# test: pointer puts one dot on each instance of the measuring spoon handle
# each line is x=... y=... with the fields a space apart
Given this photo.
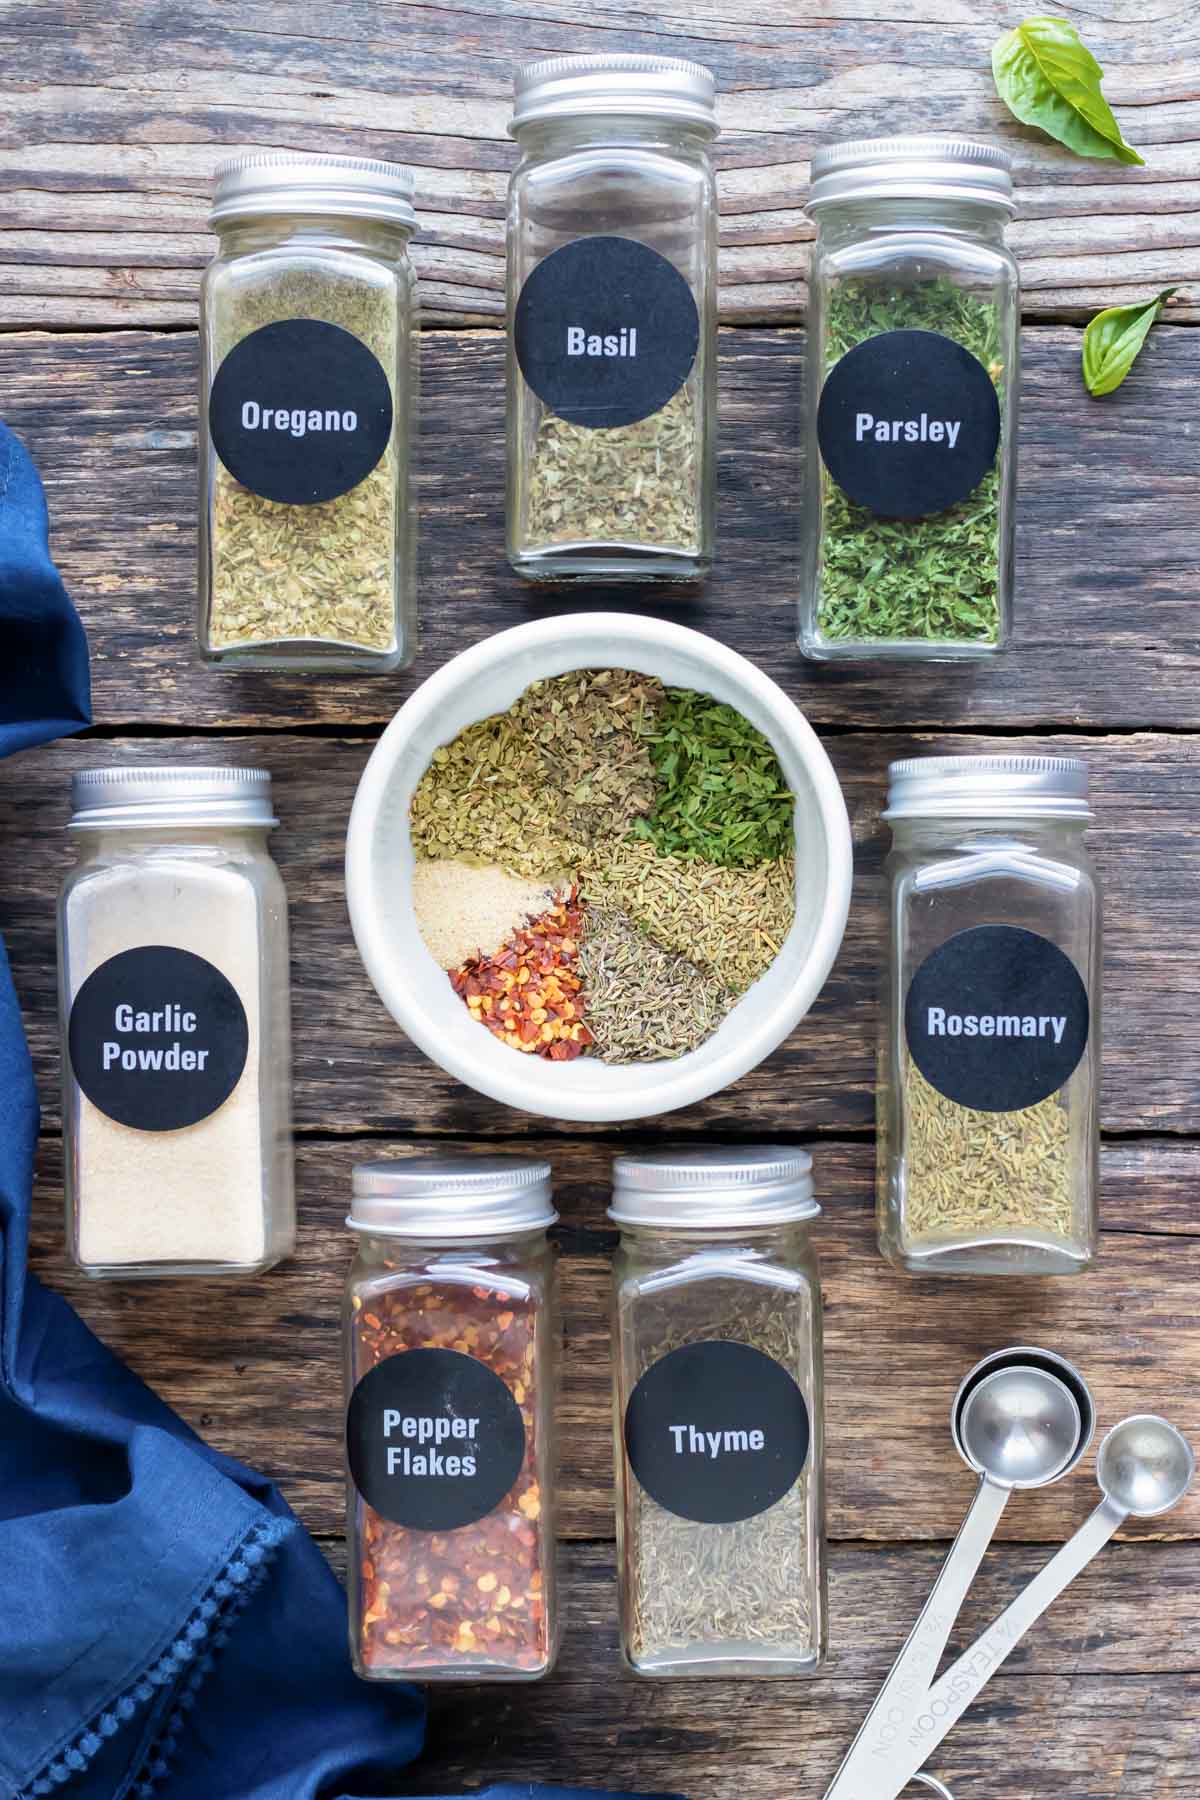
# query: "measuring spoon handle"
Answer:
x=950 y=1697
x=903 y=1694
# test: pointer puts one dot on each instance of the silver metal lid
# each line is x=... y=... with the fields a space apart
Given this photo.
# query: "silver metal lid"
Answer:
x=689 y=1189
x=447 y=1198
x=962 y=787
x=652 y=87
x=346 y=187
x=145 y=796
x=919 y=168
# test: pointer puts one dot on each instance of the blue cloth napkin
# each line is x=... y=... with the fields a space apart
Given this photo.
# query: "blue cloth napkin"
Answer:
x=166 y=1624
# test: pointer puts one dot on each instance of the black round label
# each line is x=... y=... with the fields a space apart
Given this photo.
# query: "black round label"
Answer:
x=997 y=1018
x=908 y=423
x=605 y=331
x=434 y=1439
x=157 y=1038
x=716 y=1431
x=300 y=411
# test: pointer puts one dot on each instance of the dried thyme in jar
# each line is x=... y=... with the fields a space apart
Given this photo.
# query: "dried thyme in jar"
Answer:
x=661 y=812
x=718 y=1405
x=612 y=313
x=308 y=388
x=988 y=1129
x=911 y=402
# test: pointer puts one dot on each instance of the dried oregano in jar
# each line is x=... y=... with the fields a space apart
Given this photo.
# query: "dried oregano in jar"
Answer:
x=451 y=1354
x=717 y=1414
x=612 y=313
x=308 y=387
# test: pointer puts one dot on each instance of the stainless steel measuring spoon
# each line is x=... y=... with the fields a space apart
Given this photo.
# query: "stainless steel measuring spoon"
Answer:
x=1144 y=1467
x=1022 y=1419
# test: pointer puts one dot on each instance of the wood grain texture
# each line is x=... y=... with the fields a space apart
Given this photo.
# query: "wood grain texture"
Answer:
x=1108 y=562
x=114 y=120
x=355 y=1070
x=255 y=1365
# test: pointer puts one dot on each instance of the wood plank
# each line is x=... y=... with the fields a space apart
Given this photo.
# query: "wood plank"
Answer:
x=255 y=1365
x=114 y=120
x=1106 y=633
x=355 y=1070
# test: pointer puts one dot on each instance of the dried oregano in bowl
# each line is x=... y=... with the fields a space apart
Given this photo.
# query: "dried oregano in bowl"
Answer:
x=619 y=854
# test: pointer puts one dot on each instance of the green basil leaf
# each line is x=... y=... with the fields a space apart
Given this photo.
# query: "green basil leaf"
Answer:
x=1113 y=339
x=1047 y=77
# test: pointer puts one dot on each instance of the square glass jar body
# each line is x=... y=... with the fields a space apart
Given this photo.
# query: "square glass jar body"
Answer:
x=742 y=1597
x=632 y=502
x=963 y=1190
x=216 y=1197
x=936 y=587
x=477 y=1601
x=328 y=584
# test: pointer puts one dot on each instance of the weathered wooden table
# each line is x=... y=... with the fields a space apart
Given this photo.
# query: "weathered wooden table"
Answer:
x=113 y=120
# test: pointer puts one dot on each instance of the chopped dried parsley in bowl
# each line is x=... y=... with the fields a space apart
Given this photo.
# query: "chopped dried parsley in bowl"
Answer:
x=589 y=762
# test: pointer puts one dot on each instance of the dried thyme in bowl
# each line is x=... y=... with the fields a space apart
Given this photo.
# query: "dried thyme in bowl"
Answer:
x=931 y=578
x=642 y=1002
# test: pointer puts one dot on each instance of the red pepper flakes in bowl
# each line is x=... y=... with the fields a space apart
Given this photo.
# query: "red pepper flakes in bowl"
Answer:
x=529 y=994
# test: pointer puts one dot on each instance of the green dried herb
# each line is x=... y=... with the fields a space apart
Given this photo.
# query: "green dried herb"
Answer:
x=692 y=1583
x=325 y=572
x=531 y=789
x=623 y=484
x=1113 y=341
x=1047 y=77
x=722 y=794
x=927 y=579
x=642 y=1002
x=970 y=1171
x=731 y=922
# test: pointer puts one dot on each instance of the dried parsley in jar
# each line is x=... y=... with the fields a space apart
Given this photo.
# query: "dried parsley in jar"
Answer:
x=612 y=289
x=451 y=1362
x=988 y=1117
x=911 y=401
x=308 y=389
x=718 y=1398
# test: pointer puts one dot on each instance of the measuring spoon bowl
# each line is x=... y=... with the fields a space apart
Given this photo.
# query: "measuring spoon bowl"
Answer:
x=1020 y=1427
x=1144 y=1465
x=1029 y=1446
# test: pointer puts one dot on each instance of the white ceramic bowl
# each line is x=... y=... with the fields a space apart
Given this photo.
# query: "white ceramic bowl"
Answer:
x=379 y=860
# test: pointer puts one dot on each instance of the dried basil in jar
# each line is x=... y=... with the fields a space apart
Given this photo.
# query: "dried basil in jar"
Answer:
x=451 y=1340
x=612 y=286
x=307 y=406
x=718 y=1403
x=911 y=398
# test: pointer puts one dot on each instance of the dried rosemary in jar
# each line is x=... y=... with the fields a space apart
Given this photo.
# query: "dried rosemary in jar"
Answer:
x=988 y=1130
x=718 y=1413
x=307 y=332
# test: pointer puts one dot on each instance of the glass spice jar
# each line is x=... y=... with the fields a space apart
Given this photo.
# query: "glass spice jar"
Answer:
x=911 y=401
x=173 y=996
x=612 y=293
x=718 y=1414
x=990 y=1056
x=308 y=338
x=451 y=1366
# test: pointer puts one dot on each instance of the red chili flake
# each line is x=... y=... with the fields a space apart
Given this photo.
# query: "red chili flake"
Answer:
x=529 y=993
x=476 y=1595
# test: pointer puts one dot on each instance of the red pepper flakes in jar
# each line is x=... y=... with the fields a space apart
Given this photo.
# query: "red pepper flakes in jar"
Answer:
x=530 y=993
x=451 y=1337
